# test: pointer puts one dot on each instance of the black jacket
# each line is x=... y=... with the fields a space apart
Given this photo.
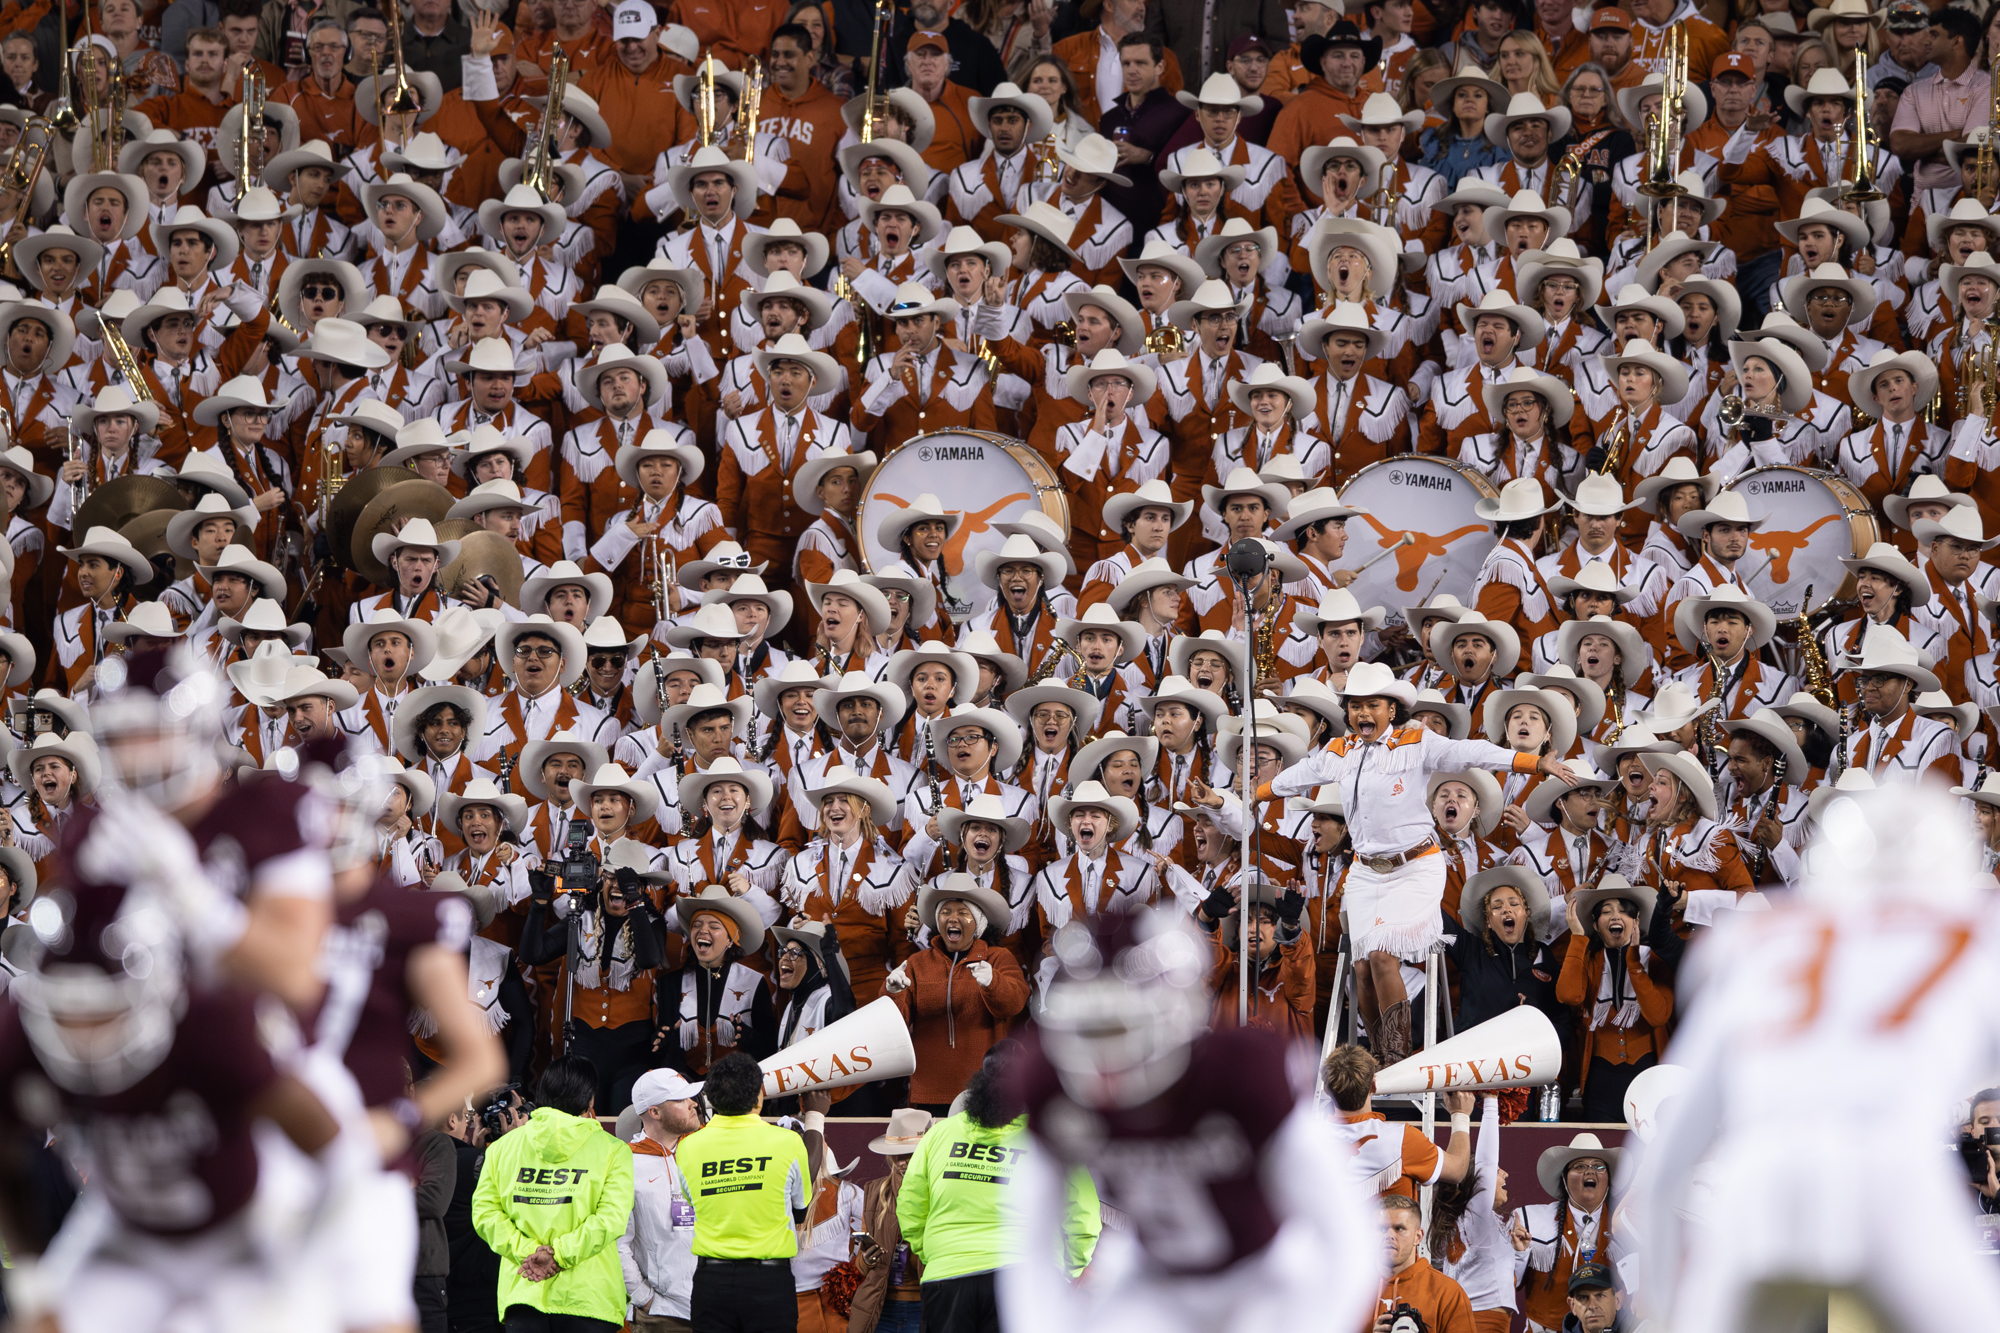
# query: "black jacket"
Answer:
x=1491 y=983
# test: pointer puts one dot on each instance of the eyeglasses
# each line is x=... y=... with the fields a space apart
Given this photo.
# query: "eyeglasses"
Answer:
x=1829 y=297
x=316 y=292
x=540 y=652
x=792 y=951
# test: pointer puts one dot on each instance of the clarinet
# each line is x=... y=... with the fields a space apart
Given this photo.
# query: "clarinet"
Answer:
x=1755 y=850
x=930 y=768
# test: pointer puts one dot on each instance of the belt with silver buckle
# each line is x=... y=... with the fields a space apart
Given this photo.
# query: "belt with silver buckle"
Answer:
x=1382 y=865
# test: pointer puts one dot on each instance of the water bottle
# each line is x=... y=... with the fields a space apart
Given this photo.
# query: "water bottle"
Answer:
x=1552 y=1104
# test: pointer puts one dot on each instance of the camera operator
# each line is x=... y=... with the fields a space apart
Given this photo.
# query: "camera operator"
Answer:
x=613 y=939
x=1979 y=1144
x=1416 y=1298
x=475 y=1269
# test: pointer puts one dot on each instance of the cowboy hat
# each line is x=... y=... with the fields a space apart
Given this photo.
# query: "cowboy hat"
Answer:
x=1270 y=375
x=567 y=638
x=782 y=286
x=1131 y=323
x=1157 y=254
x=1082 y=705
x=1347 y=317
x=1519 y=500
x=1528 y=324
x=819 y=462
x=1691 y=615
x=1526 y=106
x=1151 y=494
x=1242 y=481
x=404 y=733
x=1539 y=804
x=1338 y=607
x=782 y=231
x=78 y=750
x=1554 y=1162
x=1677 y=471
x=1884 y=651
x=1527 y=204
x=839 y=780
x=1178 y=689
x=1634 y=297
x=1314 y=161
x=1092 y=796
x=1506 y=643
x=1045 y=220
x=512 y=809
x=1600 y=495
x=1457 y=717
x=612 y=777
x=1861 y=389
x=1095 y=155
x=361 y=634
x=1671 y=375
x=110 y=544
x=1596 y=577
x=1862 y=292
x=964 y=888
x=536 y=753
x=1485 y=789
x=847 y=583
x=535 y=590
x=1635 y=656
x=1771 y=728
x=985 y=809
x=646 y=691
x=1560 y=257
x=1006 y=735
x=794 y=347
x=62 y=333
x=1687 y=770
x=1379 y=245
x=899 y=199
x=145 y=620
x=182 y=526
x=860 y=685
x=1885 y=558
x=1208 y=252
x=1019 y=550
x=1561 y=402
x=1534 y=892
x=747 y=927
x=1374 y=680
x=1825 y=83
x=1557 y=708
x=1111 y=363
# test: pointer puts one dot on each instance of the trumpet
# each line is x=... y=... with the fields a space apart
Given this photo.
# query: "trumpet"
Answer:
x=1863 y=190
x=79 y=490
x=332 y=473
x=541 y=172
x=1733 y=409
x=1614 y=452
x=656 y=573
x=250 y=137
x=1165 y=341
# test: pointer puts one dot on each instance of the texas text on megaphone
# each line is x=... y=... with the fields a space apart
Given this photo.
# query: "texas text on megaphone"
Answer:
x=1519 y=1049
x=871 y=1043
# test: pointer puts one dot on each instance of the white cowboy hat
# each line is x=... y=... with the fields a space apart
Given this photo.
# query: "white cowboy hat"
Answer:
x=1157 y=254
x=1092 y=796
x=1371 y=680
x=243 y=561
x=1519 y=500
x=781 y=231
x=1270 y=375
x=1633 y=297
x=694 y=787
x=1560 y=257
x=1827 y=82
x=793 y=347
x=1208 y=251
x=567 y=638
x=1020 y=549
x=1313 y=163
x=1526 y=106
x=1533 y=889
x=115 y=400
x=618 y=356
x=1527 y=204
x=1506 y=643
x=1007 y=739
x=1553 y=392
x=1885 y=558
x=1338 y=607
x=1531 y=327
x=182 y=526
x=1154 y=494
x=849 y=584
x=1670 y=374
x=819 y=462
x=1861 y=388
x=1095 y=155
x=1101 y=616
x=1635 y=656
x=1687 y=770
x=899 y=199
x=536 y=753
x=1692 y=614
x=985 y=809
x=1796 y=384
x=1554 y=1162
x=1861 y=290
x=1960 y=524
x=1458 y=718
x=1347 y=317
x=783 y=286
x=1242 y=481
x=111 y=545
x=964 y=669
x=1594 y=576
x=716 y=900
x=357 y=637
x=1379 y=245
x=1486 y=792
x=840 y=780
x=536 y=589
x=1600 y=495
x=1557 y=708
x=1381 y=111
x=1677 y=471
x=612 y=777
x=1111 y=363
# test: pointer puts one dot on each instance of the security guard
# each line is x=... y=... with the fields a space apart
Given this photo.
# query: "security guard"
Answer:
x=751 y=1184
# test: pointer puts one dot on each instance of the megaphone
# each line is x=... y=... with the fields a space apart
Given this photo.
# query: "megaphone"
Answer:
x=871 y=1043
x=1519 y=1049
x=1648 y=1095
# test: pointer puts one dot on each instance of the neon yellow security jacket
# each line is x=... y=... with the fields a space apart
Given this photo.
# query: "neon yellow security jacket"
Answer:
x=560 y=1181
x=954 y=1206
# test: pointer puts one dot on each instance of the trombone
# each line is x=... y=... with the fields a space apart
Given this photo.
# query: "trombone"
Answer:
x=541 y=172
x=402 y=99
x=21 y=174
x=1863 y=190
x=753 y=103
x=1663 y=131
x=704 y=102
x=250 y=135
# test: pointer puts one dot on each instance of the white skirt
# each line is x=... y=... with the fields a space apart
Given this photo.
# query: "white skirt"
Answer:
x=1398 y=913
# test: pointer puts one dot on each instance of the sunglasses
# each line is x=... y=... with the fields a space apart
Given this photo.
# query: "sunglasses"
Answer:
x=540 y=652
x=316 y=292
x=607 y=659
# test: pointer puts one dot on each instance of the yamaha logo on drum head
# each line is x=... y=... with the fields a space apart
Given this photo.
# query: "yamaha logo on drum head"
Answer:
x=952 y=453
x=1777 y=486
x=1425 y=480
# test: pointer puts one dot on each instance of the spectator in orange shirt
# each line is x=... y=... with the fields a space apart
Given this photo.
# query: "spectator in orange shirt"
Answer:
x=957 y=139
x=635 y=94
x=734 y=30
x=1611 y=47
x=807 y=115
x=1289 y=72
x=323 y=96
x=1438 y=1301
x=1339 y=59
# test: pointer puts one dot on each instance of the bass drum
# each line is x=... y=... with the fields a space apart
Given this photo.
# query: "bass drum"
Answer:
x=986 y=477
x=1431 y=499
x=1814 y=519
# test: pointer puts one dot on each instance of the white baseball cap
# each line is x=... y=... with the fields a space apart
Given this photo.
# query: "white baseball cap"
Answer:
x=634 y=18
x=661 y=1085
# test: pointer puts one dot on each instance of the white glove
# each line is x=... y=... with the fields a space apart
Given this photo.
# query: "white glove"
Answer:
x=987 y=323
x=690 y=1033
x=725 y=1032
x=898 y=981
x=981 y=972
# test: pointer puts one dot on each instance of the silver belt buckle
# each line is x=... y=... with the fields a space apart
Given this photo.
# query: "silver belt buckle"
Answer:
x=1381 y=865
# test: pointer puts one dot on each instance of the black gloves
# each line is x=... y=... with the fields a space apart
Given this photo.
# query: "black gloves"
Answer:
x=1291 y=903
x=541 y=886
x=1594 y=460
x=1219 y=903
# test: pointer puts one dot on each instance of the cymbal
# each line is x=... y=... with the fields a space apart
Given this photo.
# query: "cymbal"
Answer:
x=451 y=529
x=148 y=532
x=389 y=510
x=484 y=552
x=344 y=510
x=118 y=502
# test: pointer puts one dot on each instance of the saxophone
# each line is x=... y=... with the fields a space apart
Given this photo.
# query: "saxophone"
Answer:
x=1058 y=650
x=1267 y=649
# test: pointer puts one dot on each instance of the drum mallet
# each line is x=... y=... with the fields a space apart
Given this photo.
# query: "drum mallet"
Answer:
x=1409 y=539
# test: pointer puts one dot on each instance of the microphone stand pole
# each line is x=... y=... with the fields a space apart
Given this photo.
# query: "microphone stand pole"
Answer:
x=1246 y=563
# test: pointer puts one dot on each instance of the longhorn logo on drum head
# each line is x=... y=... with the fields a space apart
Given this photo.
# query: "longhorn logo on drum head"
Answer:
x=1410 y=559
x=1782 y=546
x=954 y=547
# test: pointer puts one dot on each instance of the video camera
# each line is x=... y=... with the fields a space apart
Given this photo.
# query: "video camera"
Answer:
x=1974 y=1150
x=503 y=1106
x=575 y=871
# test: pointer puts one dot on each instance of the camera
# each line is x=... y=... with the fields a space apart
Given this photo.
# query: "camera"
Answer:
x=1405 y=1319
x=504 y=1106
x=574 y=872
x=1973 y=1149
